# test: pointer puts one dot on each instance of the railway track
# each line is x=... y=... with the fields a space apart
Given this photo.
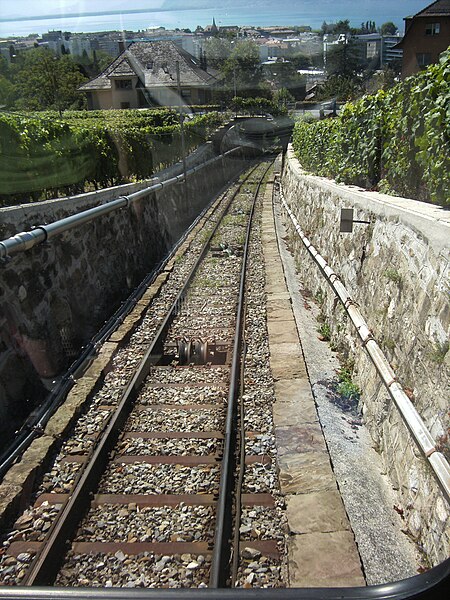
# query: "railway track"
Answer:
x=169 y=478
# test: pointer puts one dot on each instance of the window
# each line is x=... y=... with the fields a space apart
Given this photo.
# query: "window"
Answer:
x=433 y=29
x=423 y=59
x=124 y=84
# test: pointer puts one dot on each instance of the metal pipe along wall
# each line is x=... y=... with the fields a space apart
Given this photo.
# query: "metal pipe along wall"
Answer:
x=421 y=435
x=28 y=239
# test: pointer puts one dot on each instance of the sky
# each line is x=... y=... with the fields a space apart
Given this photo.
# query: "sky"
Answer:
x=29 y=8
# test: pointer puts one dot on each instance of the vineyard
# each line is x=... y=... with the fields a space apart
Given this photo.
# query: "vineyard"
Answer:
x=396 y=141
x=45 y=155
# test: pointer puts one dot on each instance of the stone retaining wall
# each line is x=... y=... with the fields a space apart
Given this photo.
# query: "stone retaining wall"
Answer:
x=54 y=297
x=397 y=270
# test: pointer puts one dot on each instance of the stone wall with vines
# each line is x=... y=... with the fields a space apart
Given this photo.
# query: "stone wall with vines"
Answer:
x=396 y=269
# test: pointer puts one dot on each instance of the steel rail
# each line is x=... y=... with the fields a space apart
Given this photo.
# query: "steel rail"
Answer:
x=224 y=518
x=42 y=569
x=241 y=467
x=41 y=233
x=35 y=423
x=414 y=422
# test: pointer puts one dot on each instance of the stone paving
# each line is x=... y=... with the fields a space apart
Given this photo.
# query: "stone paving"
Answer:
x=321 y=546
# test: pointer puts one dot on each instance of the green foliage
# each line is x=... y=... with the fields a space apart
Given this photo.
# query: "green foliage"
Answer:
x=325 y=331
x=439 y=353
x=257 y=106
x=42 y=155
x=336 y=28
x=283 y=97
x=45 y=81
x=388 y=28
x=346 y=388
x=284 y=75
x=397 y=140
x=393 y=275
x=217 y=51
x=340 y=87
x=298 y=59
x=242 y=69
x=343 y=59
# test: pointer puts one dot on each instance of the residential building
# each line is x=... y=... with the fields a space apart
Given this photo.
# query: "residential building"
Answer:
x=145 y=74
x=79 y=44
x=390 y=53
x=379 y=50
x=427 y=35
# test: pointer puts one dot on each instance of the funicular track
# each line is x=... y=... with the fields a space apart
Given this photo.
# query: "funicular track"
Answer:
x=176 y=421
x=172 y=387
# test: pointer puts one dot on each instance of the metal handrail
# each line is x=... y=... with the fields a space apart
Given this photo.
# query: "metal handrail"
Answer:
x=41 y=233
x=42 y=569
x=35 y=424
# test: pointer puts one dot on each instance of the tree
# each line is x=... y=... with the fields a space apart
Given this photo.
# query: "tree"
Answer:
x=7 y=92
x=283 y=74
x=343 y=59
x=46 y=81
x=388 y=28
x=4 y=67
x=299 y=60
x=341 y=88
x=342 y=27
x=217 y=51
x=326 y=28
x=242 y=69
x=283 y=97
x=381 y=80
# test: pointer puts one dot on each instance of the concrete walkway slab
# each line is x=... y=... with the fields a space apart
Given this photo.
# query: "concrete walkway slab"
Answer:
x=322 y=549
x=282 y=331
x=275 y=305
x=306 y=473
x=317 y=512
x=286 y=361
x=338 y=566
x=300 y=439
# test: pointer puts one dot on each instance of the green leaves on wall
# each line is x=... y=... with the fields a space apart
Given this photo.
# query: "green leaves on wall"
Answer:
x=396 y=141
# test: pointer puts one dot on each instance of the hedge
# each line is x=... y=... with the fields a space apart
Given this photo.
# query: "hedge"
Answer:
x=44 y=155
x=395 y=141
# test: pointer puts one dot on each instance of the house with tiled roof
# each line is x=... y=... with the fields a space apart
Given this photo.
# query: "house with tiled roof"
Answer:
x=427 y=35
x=145 y=74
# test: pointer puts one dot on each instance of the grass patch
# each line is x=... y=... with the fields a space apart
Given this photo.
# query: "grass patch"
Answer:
x=393 y=275
x=324 y=331
x=439 y=353
x=346 y=388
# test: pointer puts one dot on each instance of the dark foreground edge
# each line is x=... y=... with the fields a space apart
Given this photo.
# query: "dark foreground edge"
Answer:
x=432 y=585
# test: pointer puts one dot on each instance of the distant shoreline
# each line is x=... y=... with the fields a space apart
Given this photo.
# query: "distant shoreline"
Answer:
x=137 y=19
x=103 y=13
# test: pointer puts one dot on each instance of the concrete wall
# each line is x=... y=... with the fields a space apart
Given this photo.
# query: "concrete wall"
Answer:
x=54 y=297
x=397 y=270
